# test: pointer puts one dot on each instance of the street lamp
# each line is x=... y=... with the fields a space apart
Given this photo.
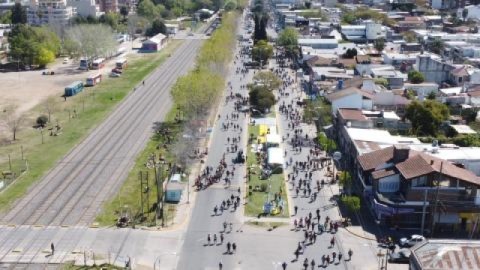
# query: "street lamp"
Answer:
x=188 y=187
x=159 y=184
x=157 y=259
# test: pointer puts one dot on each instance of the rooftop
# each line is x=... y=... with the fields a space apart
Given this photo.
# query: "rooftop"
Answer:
x=447 y=254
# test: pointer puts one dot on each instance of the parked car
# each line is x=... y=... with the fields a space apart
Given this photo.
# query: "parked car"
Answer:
x=65 y=60
x=411 y=241
x=115 y=75
x=48 y=72
x=402 y=256
x=117 y=70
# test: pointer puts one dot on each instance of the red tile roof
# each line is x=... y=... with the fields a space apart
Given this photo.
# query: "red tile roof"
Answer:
x=374 y=159
x=382 y=173
x=414 y=167
x=352 y=114
x=417 y=164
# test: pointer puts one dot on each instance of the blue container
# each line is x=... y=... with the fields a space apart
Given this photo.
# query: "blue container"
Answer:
x=74 y=88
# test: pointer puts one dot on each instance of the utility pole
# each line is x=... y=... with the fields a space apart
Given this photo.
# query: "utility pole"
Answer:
x=424 y=210
x=436 y=200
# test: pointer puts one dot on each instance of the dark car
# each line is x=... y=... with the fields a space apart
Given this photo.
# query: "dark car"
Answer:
x=402 y=256
x=117 y=70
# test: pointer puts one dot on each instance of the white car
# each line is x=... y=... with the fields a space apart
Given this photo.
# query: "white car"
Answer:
x=411 y=241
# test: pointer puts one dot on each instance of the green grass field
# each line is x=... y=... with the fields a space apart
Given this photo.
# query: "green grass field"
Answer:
x=129 y=195
x=275 y=184
x=86 y=109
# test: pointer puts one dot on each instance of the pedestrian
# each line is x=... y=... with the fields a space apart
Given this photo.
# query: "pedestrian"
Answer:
x=284 y=265
x=350 y=253
x=52 y=247
x=305 y=264
x=340 y=257
x=221 y=238
x=332 y=242
x=234 y=247
x=296 y=209
x=208 y=239
x=334 y=256
x=220 y=265
x=228 y=247
x=297 y=253
x=215 y=239
x=313 y=264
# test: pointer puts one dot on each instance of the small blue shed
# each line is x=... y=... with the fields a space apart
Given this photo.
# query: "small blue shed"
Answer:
x=174 y=188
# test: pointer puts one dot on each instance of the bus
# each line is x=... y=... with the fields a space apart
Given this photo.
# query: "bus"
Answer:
x=73 y=89
x=84 y=64
x=93 y=80
x=98 y=63
x=121 y=63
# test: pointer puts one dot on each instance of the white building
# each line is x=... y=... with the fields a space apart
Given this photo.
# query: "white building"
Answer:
x=85 y=8
x=473 y=12
x=350 y=98
x=55 y=12
x=369 y=30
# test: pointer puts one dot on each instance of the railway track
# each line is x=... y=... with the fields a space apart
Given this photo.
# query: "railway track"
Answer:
x=75 y=189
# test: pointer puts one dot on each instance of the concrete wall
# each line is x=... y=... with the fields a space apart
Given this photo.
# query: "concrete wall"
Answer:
x=350 y=102
x=433 y=70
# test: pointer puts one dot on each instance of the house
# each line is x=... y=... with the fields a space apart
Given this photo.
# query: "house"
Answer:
x=409 y=23
x=449 y=254
x=398 y=181
x=367 y=31
x=351 y=97
x=447 y=4
x=434 y=69
x=172 y=29
x=85 y=8
x=154 y=43
x=422 y=89
x=357 y=118
x=318 y=43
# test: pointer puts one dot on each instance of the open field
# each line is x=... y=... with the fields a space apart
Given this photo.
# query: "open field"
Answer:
x=77 y=117
x=26 y=89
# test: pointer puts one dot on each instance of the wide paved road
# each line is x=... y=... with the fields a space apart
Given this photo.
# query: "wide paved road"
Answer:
x=75 y=189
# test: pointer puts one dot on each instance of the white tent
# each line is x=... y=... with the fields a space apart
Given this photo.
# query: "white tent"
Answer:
x=275 y=156
x=273 y=139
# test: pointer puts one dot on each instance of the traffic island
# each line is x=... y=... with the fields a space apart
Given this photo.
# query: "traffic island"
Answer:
x=266 y=196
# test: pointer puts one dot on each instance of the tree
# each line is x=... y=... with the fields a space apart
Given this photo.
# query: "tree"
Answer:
x=6 y=17
x=148 y=9
x=350 y=53
x=44 y=57
x=262 y=51
x=50 y=106
x=19 y=14
x=288 y=39
x=379 y=44
x=267 y=79
x=124 y=10
x=261 y=98
x=426 y=117
x=328 y=145
x=92 y=40
x=260 y=30
x=431 y=95
x=437 y=46
x=157 y=27
x=42 y=121
x=136 y=24
x=33 y=45
x=351 y=202
x=409 y=36
x=416 y=76
x=346 y=181
x=14 y=121
x=230 y=5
